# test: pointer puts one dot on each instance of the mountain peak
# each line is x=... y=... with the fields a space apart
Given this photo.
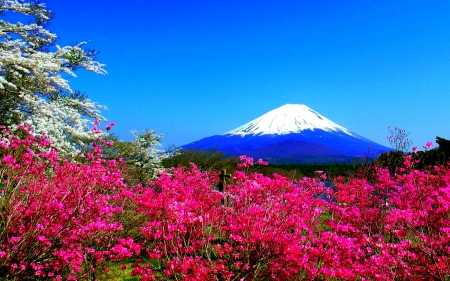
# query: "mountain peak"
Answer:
x=292 y=133
x=287 y=119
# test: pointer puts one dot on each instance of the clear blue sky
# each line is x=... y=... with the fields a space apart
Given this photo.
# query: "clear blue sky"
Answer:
x=192 y=69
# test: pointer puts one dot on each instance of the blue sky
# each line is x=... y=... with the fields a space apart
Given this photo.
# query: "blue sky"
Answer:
x=192 y=69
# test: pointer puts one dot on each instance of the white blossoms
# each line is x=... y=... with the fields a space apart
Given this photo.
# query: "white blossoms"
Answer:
x=32 y=89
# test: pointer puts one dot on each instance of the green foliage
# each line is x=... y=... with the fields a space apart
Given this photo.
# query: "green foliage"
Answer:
x=435 y=156
x=390 y=160
x=423 y=160
x=141 y=157
x=215 y=160
x=298 y=171
x=444 y=145
x=204 y=159
x=430 y=158
x=288 y=171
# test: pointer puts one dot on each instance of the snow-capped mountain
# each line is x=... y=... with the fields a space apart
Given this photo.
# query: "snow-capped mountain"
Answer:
x=292 y=133
x=287 y=119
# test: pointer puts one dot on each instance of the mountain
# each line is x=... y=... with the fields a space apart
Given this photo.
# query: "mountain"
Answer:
x=292 y=133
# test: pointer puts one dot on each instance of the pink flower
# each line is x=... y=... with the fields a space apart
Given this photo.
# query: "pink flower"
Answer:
x=245 y=161
x=9 y=159
x=112 y=124
x=428 y=145
x=256 y=216
x=262 y=162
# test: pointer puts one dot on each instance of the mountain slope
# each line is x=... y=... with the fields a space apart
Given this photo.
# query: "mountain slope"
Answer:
x=292 y=134
x=289 y=118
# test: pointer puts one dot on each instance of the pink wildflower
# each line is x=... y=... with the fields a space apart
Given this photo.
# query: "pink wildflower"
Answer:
x=428 y=145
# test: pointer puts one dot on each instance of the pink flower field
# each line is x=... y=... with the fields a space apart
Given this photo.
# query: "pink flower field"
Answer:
x=67 y=220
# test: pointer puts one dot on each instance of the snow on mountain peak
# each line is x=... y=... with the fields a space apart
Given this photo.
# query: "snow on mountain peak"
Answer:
x=289 y=118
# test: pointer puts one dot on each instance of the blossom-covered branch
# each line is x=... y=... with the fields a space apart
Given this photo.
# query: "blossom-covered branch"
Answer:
x=32 y=87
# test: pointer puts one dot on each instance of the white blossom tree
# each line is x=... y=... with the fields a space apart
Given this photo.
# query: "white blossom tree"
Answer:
x=141 y=155
x=146 y=158
x=32 y=85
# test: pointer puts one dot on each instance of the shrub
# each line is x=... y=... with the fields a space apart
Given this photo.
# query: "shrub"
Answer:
x=62 y=220
x=393 y=227
x=56 y=216
x=204 y=159
x=201 y=234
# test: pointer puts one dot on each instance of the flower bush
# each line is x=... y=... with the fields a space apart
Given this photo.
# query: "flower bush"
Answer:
x=56 y=217
x=400 y=223
x=393 y=227
x=68 y=221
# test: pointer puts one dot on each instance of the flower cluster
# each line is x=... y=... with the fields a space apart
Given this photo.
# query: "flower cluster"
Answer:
x=66 y=221
x=393 y=227
x=56 y=217
x=428 y=145
x=246 y=162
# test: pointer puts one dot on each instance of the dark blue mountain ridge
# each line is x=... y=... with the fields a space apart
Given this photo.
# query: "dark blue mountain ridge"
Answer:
x=292 y=134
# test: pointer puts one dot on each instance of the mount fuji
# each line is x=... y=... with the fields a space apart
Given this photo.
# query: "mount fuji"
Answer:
x=292 y=133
